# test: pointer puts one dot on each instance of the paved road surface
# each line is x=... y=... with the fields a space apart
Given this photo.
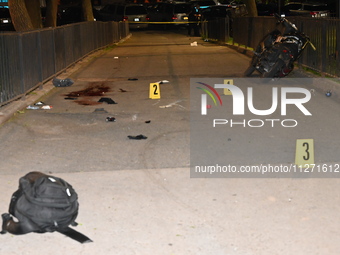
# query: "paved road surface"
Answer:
x=137 y=197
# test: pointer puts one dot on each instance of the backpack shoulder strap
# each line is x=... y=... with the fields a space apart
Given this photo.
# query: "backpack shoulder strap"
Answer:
x=75 y=235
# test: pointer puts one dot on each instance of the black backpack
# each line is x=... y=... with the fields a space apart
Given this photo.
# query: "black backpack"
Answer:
x=43 y=203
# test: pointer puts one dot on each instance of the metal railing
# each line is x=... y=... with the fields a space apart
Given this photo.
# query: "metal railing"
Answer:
x=28 y=59
x=249 y=31
x=216 y=30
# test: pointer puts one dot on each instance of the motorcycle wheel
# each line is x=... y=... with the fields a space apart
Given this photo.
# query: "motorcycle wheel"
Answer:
x=275 y=69
x=249 y=71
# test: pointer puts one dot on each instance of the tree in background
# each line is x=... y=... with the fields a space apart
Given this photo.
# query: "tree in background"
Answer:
x=87 y=10
x=251 y=8
x=19 y=15
x=51 y=13
x=26 y=14
x=34 y=12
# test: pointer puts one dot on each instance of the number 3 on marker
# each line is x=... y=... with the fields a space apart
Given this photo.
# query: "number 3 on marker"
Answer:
x=304 y=154
x=307 y=150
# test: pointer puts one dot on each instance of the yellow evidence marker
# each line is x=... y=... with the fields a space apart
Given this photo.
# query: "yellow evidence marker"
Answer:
x=304 y=154
x=155 y=91
x=227 y=91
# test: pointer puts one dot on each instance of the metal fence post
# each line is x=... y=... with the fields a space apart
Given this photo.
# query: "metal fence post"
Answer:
x=337 y=56
x=21 y=63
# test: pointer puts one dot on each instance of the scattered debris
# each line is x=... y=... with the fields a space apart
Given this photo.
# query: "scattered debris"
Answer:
x=31 y=107
x=328 y=93
x=157 y=102
x=39 y=103
x=148 y=121
x=106 y=100
x=100 y=110
x=172 y=104
x=70 y=98
x=46 y=107
x=138 y=137
x=62 y=82
x=133 y=79
x=110 y=119
x=122 y=90
x=162 y=82
x=193 y=44
x=166 y=106
x=38 y=107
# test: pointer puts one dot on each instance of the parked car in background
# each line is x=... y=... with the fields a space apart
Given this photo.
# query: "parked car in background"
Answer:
x=133 y=13
x=238 y=7
x=216 y=12
x=136 y=15
x=202 y=3
x=266 y=9
x=5 y=20
x=230 y=3
x=306 y=9
x=111 y=12
x=169 y=12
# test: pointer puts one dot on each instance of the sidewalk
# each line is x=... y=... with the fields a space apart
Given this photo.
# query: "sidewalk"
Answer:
x=163 y=211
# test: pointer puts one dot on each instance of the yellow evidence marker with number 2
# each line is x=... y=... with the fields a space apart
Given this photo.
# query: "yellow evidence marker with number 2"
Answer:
x=304 y=155
x=155 y=91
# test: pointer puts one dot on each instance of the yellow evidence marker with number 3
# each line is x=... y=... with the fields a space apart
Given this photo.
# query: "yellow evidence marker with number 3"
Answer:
x=155 y=91
x=304 y=155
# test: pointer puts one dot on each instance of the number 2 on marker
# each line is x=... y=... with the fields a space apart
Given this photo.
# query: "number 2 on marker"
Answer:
x=155 y=92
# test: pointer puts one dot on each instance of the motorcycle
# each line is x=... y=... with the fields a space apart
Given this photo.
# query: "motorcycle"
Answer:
x=276 y=53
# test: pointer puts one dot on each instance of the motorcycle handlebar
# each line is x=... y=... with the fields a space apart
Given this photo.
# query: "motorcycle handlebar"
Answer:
x=288 y=25
x=281 y=19
x=277 y=16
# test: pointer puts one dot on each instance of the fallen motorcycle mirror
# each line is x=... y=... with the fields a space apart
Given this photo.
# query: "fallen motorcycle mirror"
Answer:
x=43 y=203
x=276 y=53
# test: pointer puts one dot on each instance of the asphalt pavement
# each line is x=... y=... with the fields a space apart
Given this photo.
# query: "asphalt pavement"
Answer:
x=136 y=196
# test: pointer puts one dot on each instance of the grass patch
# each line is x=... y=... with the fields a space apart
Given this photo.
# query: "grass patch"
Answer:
x=110 y=47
